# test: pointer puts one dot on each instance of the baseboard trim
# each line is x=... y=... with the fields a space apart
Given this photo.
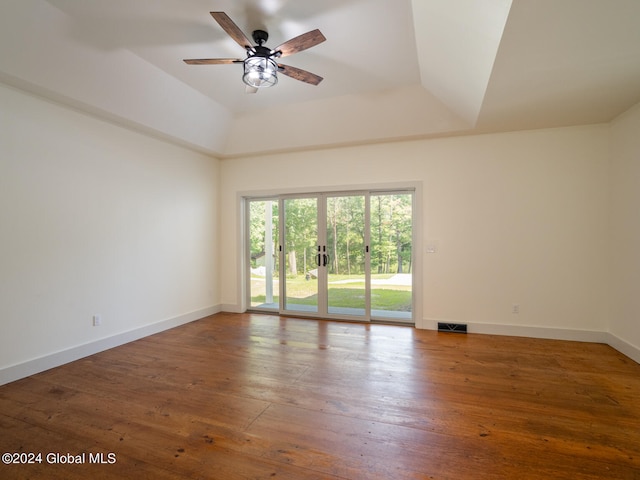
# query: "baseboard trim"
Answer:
x=550 y=333
x=623 y=347
x=40 y=364
x=231 y=308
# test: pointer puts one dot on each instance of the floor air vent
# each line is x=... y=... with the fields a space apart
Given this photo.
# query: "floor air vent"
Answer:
x=452 y=327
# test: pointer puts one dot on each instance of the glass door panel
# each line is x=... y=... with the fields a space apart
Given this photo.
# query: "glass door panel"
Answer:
x=301 y=271
x=391 y=224
x=346 y=255
x=264 y=263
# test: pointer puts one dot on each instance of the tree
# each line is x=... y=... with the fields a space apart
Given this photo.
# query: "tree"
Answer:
x=257 y=211
x=345 y=234
x=301 y=230
x=391 y=231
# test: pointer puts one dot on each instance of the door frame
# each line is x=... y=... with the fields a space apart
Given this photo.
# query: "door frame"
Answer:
x=243 y=197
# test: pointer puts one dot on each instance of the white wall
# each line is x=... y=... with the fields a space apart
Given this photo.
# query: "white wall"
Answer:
x=96 y=219
x=625 y=228
x=517 y=217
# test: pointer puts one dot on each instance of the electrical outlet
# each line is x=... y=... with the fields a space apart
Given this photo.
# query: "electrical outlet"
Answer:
x=97 y=320
x=515 y=308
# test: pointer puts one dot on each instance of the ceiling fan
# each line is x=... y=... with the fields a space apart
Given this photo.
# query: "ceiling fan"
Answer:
x=260 y=66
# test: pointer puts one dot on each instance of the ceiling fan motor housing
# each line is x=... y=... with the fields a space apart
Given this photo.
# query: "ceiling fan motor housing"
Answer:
x=260 y=51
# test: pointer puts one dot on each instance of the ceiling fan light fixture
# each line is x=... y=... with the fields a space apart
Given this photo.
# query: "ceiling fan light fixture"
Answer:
x=259 y=68
x=260 y=72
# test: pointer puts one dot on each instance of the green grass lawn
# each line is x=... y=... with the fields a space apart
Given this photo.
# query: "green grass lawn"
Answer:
x=350 y=295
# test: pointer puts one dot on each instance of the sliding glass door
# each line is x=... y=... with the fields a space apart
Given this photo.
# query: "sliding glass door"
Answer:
x=301 y=259
x=263 y=240
x=344 y=255
x=346 y=243
x=391 y=225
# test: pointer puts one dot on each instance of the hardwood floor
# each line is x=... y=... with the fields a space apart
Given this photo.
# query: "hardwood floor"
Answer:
x=261 y=397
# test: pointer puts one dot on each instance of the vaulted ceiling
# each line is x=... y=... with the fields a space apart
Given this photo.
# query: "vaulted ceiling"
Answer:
x=392 y=70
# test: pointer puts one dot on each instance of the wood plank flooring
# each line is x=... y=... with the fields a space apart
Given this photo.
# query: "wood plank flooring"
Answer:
x=265 y=397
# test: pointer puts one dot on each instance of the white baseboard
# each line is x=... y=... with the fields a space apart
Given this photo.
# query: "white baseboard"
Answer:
x=528 y=331
x=549 y=333
x=623 y=347
x=40 y=364
x=231 y=308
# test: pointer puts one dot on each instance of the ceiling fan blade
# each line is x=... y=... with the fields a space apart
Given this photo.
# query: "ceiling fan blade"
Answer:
x=232 y=29
x=300 y=43
x=299 y=74
x=212 y=61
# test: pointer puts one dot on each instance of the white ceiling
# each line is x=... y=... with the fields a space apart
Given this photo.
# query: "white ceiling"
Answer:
x=392 y=70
